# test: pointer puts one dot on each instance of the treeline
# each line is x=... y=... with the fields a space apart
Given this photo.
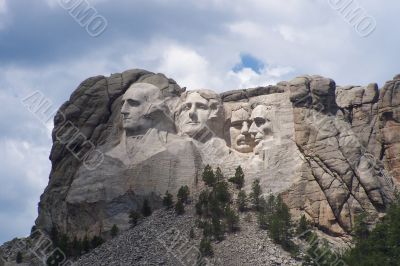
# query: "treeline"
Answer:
x=72 y=248
x=379 y=246
x=218 y=206
x=215 y=208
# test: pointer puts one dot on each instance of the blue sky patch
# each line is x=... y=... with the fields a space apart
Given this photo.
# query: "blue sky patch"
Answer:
x=249 y=61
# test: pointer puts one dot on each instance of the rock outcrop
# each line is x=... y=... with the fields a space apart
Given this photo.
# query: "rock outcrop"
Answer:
x=331 y=151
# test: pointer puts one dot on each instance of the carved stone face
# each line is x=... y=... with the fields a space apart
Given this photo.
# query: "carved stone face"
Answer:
x=193 y=114
x=241 y=139
x=137 y=103
x=261 y=126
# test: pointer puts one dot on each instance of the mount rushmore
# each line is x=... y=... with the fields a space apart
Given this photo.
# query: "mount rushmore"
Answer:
x=330 y=151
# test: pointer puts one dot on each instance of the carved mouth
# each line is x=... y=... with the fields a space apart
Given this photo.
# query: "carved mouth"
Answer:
x=242 y=143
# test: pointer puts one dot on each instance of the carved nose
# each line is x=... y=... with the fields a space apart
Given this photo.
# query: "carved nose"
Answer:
x=245 y=128
x=124 y=109
x=193 y=114
x=253 y=129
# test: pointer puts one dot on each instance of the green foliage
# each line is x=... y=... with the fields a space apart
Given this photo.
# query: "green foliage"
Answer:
x=183 y=194
x=219 y=176
x=76 y=247
x=19 y=257
x=319 y=253
x=280 y=227
x=221 y=191
x=96 y=241
x=179 y=207
x=205 y=247
x=207 y=228
x=381 y=246
x=202 y=204
x=85 y=244
x=263 y=220
x=217 y=229
x=64 y=244
x=168 y=200
x=199 y=208
x=146 y=209
x=54 y=235
x=360 y=228
x=114 y=231
x=231 y=219
x=303 y=225
x=238 y=179
x=241 y=201
x=274 y=215
x=208 y=176
x=191 y=233
x=256 y=194
x=72 y=249
x=215 y=207
x=134 y=218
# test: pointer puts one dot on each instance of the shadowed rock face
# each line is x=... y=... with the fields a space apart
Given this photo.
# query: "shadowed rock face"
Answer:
x=329 y=150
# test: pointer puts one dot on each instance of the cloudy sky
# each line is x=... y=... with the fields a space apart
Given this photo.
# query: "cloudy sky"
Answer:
x=218 y=44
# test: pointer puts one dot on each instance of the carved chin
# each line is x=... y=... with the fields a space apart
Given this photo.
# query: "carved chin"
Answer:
x=244 y=148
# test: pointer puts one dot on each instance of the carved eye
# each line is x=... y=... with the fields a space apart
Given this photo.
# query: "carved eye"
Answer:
x=259 y=121
x=187 y=106
x=202 y=106
x=133 y=103
x=237 y=124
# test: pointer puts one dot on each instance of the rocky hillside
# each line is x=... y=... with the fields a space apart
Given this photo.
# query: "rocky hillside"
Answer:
x=332 y=152
x=163 y=239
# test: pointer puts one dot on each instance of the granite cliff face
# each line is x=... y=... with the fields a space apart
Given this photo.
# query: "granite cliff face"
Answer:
x=331 y=151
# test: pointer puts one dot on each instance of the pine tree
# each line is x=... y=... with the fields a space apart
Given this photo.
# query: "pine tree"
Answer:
x=179 y=207
x=380 y=246
x=146 y=209
x=205 y=247
x=256 y=194
x=64 y=244
x=183 y=194
x=54 y=236
x=19 y=258
x=231 y=219
x=280 y=225
x=221 y=192
x=114 y=231
x=208 y=176
x=76 y=247
x=360 y=229
x=214 y=208
x=168 y=201
x=207 y=229
x=241 y=201
x=134 y=218
x=238 y=179
x=85 y=244
x=96 y=241
x=218 y=175
x=303 y=226
x=217 y=229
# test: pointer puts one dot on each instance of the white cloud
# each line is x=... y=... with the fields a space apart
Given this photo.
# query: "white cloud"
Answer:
x=27 y=167
x=247 y=29
x=291 y=34
x=3 y=6
x=186 y=66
